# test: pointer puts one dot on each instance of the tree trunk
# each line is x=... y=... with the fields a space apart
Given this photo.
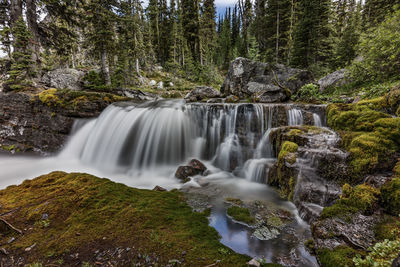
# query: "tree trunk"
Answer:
x=31 y=17
x=15 y=11
x=105 y=68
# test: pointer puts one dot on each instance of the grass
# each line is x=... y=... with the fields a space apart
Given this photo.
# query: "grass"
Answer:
x=241 y=214
x=85 y=212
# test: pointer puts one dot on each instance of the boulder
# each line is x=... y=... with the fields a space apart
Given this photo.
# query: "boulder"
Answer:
x=356 y=231
x=64 y=79
x=198 y=165
x=264 y=82
x=195 y=167
x=335 y=79
x=202 y=93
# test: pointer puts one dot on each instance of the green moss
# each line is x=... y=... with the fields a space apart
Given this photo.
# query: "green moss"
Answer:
x=388 y=228
x=340 y=256
x=362 y=198
x=110 y=214
x=241 y=214
x=381 y=255
x=235 y=201
x=390 y=196
x=287 y=148
x=370 y=151
x=74 y=99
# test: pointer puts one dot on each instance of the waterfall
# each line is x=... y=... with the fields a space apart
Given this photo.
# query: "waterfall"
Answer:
x=317 y=120
x=295 y=117
x=135 y=138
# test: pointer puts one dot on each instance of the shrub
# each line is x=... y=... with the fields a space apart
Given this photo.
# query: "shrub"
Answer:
x=308 y=93
x=381 y=255
x=380 y=50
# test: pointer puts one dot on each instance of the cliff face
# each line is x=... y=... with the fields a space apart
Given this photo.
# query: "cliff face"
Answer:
x=41 y=123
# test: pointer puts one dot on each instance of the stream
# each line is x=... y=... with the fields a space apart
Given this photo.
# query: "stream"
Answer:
x=142 y=146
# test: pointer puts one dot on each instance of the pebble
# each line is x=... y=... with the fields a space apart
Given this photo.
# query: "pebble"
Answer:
x=30 y=248
x=11 y=240
x=45 y=216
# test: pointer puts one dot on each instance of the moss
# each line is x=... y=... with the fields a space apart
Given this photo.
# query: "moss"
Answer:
x=287 y=148
x=388 y=228
x=106 y=215
x=75 y=99
x=295 y=132
x=274 y=221
x=241 y=214
x=370 y=151
x=310 y=245
x=340 y=256
x=390 y=197
x=390 y=128
x=362 y=198
x=235 y=201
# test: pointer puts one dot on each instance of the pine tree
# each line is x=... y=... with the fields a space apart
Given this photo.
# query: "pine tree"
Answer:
x=22 y=65
x=207 y=32
x=101 y=34
x=375 y=11
x=312 y=44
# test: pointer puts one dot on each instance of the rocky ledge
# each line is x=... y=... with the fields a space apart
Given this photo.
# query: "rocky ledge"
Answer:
x=42 y=122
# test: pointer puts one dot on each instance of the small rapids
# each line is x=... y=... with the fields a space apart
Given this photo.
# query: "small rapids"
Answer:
x=142 y=146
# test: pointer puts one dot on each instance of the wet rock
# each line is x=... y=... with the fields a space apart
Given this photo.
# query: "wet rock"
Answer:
x=159 y=189
x=198 y=165
x=263 y=82
x=254 y=263
x=311 y=176
x=185 y=172
x=335 y=79
x=266 y=233
x=356 y=231
x=64 y=79
x=195 y=167
x=202 y=93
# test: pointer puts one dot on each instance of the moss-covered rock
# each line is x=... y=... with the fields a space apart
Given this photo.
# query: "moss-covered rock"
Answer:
x=241 y=214
x=362 y=198
x=340 y=256
x=64 y=214
x=390 y=197
x=369 y=134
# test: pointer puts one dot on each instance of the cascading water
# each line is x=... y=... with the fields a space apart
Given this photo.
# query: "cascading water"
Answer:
x=142 y=145
x=295 y=117
x=317 y=120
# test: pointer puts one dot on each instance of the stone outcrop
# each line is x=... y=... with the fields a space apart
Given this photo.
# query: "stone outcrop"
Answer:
x=263 y=82
x=202 y=93
x=42 y=123
x=335 y=79
x=64 y=79
x=308 y=176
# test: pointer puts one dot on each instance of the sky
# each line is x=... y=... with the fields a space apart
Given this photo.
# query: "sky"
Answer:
x=221 y=5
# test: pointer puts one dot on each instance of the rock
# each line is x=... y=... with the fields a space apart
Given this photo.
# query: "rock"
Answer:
x=314 y=170
x=263 y=82
x=136 y=94
x=232 y=99
x=160 y=86
x=356 y=231
x=202 y=93
x=4 y=251
x=184 y=172
x=45 y=216
x=254 y=263
x=159 y=189
x=396 y=262
x=152 y=83
x=198 y=165
x=194 y=168
x=64 y=79
x=265 y=233
x=335 y=79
